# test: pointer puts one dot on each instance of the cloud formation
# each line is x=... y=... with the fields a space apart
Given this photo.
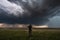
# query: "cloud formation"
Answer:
x=28 y=11
x=11 y=8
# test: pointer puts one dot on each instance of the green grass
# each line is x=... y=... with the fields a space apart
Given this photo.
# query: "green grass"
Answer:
x=38 y=34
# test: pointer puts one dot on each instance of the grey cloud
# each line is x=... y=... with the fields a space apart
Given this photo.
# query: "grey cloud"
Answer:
x=33 y=12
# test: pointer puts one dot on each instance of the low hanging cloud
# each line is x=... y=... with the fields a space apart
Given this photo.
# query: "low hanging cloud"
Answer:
x=28 y=11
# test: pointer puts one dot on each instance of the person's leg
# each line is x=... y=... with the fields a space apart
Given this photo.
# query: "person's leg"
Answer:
x=30 y=33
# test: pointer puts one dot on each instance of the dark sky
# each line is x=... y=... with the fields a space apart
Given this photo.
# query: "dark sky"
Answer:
x=28 y=11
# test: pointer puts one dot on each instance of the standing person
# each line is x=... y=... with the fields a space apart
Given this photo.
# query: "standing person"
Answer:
x=30 y=30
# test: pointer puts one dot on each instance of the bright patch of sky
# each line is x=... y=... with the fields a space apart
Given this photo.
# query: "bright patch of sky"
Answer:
x=11 y=8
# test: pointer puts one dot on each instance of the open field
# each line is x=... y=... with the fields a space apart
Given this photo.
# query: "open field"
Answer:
x=22 y=34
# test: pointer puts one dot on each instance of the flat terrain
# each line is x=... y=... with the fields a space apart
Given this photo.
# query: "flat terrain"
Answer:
x=22 y=34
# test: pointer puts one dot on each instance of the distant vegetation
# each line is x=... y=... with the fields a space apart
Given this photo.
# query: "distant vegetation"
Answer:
x=22 y=34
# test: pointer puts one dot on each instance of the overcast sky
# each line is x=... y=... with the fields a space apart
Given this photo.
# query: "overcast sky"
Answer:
x=31 y=12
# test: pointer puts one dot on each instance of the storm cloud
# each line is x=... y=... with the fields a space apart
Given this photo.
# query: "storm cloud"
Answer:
x=28 y=11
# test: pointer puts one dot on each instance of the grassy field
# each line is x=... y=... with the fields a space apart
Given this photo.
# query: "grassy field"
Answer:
x=37 y=34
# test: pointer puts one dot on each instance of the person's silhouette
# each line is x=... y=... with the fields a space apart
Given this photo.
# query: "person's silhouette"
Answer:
x=30 y=30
